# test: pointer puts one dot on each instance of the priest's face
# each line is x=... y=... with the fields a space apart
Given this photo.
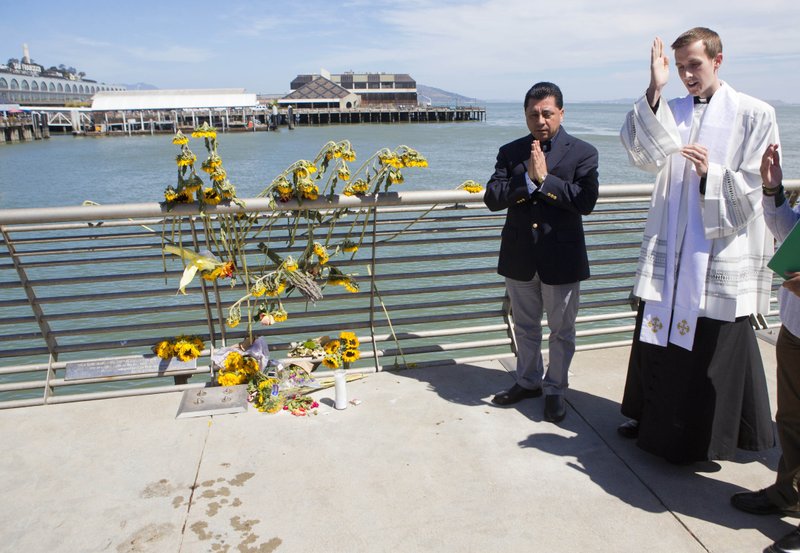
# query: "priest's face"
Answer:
x=543 y=118
x=698 y=71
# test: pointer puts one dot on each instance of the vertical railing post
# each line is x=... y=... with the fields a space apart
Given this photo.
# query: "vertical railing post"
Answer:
x=372 y=288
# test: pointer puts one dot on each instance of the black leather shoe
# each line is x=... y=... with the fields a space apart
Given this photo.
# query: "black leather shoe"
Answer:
x=515 y=394
x=554 y=408
x=758 y=503
x=790 y=543
x=629 y=429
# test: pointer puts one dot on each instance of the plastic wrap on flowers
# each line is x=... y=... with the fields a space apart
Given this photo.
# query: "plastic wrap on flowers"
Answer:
x=241 y=363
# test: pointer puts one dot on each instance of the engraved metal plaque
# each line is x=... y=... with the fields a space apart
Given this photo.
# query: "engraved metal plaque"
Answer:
x=215 y=400
x=141 y=364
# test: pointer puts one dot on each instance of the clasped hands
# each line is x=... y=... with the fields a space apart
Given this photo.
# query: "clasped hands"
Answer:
x=537 y=166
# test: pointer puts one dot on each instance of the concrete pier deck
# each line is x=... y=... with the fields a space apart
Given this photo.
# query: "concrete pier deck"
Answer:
x=424 y=463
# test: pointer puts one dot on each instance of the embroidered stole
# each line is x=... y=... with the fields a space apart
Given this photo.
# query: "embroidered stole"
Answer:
x=673 y=318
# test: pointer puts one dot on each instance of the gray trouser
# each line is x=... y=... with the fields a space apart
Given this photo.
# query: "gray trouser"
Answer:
x=529 y=301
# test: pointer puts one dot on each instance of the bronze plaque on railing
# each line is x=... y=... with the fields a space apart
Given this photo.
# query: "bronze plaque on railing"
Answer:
x=122 y=366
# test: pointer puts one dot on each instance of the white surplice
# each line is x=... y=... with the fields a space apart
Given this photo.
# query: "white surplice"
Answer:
x=735 y=244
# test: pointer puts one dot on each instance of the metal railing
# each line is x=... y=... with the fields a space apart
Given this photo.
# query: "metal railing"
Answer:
x=90 y=283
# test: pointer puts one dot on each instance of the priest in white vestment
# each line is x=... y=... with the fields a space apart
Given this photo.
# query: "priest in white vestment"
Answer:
x=696 y=389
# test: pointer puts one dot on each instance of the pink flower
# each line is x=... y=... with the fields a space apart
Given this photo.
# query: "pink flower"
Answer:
x=267 y=319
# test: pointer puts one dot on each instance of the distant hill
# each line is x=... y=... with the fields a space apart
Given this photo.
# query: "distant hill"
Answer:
x=140 y=86
x=439 y=97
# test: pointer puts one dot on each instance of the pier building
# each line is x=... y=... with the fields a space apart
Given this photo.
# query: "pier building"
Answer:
x=372 y=88
x=26 y=82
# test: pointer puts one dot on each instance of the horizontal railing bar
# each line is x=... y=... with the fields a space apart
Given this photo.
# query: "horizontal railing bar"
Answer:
x=453 y=346
x=70 y=398
x=154 y=209
x=17 y=403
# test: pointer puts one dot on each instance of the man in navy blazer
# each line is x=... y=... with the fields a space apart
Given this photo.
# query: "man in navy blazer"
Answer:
x=546 y=181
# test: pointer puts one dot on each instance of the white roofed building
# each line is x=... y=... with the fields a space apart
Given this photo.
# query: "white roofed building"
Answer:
x=135 y=100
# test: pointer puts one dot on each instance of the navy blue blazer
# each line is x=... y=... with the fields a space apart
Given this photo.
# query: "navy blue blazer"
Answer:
x=543 y=232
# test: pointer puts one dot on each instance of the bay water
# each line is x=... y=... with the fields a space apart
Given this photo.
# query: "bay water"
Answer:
x=66 y=170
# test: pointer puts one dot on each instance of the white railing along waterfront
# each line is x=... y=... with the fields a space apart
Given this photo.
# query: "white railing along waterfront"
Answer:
x=89 y=283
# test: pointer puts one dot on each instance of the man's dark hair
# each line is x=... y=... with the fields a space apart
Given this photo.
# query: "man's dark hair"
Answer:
x=542 y=90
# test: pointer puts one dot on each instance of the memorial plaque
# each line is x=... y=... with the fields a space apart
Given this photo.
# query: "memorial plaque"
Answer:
x=214 y=400
x=143 y=364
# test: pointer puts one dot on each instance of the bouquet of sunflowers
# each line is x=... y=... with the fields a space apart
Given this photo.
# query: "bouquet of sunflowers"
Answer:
x=339 y=353
x=183 y=347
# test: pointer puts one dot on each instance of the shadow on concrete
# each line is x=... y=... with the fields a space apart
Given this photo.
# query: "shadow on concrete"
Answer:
x=616 y=465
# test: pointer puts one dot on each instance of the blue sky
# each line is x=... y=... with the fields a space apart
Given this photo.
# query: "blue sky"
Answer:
x=485 y=49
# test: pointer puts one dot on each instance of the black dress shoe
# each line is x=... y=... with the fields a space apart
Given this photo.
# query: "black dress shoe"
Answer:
x=629 y=429
x=554 y=408
x=515 y=394
x=790 y=543
x=758 y=503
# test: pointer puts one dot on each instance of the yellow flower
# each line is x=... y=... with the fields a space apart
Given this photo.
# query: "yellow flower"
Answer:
x=233 y=322
x=331 y=361
x=211 y=196
x=344 y=172
x=349 y=247
x=304 y=169
x=170 y=195
x=280 y=315
x=249 y=366
x=218 y=175
x=274 y=289
x=193 y=185
x=351 y=286
x=163 y=349
x=350 y=355
x=268 y=383
x=185 y=158
x=320 y=250
x=349 y=155
x=396 y=177
x=258 y=289
x=349 y=338
x=233 y=361
x=471 y=186
x=186 y=351
x=332 y=346
x=228 y=379
x=290 y=265
x=180 y=139
x=205 y=131
x=311 y=192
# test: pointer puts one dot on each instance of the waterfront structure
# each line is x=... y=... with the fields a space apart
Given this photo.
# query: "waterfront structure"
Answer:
x=137 y=100
x=26 y=82
x=321 y=93
x=397 y=89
